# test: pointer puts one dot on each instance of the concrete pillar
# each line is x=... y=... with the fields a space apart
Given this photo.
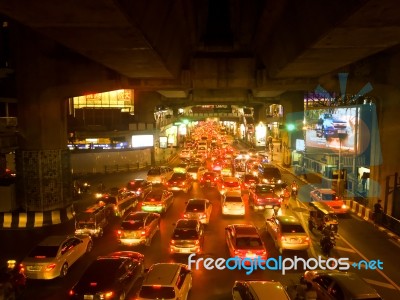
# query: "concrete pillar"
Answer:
x=42 y=161
x=145 y=102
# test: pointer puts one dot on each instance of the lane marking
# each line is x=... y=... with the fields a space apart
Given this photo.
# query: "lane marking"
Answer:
x=344 y=249
x=380 y=283
x=377 y=270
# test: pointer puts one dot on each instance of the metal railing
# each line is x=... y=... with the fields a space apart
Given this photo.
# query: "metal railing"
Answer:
x=391 y=223
x=124 y=167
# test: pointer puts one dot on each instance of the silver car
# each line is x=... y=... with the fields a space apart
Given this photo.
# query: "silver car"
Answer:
x=53 y=256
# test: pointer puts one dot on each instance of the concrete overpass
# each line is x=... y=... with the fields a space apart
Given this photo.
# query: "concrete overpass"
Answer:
x=173 y=52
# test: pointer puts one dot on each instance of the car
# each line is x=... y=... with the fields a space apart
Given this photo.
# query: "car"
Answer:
x=181 y=168
x=138 y=227
x=328 y=196
x=287 y=233
x=187 y=237
x=159 y=175
x=109 y=277
x=200 y=158
x=199 y=209
x=166 y=281
x=229 y=184
x=53 y=256
x=332 y=285
x=227 y=171
x=218 y=165
x=263 y=196
x=249 y=181
x=180 y=182
x=158 y=201
x=233 y=204
x=258 y=289
x=244 y=241
x=209 y=179
x=268 y=173
x=185 y=154
x=196 y=171
x=140 y=186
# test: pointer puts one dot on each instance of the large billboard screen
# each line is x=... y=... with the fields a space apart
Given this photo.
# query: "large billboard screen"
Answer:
x=331 y=128
x=139 y=141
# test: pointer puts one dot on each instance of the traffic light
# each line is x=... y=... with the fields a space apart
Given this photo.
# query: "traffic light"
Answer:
x=290 y=127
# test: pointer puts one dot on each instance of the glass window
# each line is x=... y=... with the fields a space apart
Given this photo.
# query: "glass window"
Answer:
x=44 y=252
x=132 y=225
x=185 y=234
x=248 y=242
x=292 y=228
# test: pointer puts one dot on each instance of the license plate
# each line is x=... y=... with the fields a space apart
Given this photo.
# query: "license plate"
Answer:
x=185 y=250
x=88 y=297
x=250 y=255
x=269 y=206
x=207 y=180
x=33 y=268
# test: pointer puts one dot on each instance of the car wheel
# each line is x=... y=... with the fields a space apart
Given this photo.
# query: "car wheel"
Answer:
x=64 y=270
x=122 y=296
x=89 y=246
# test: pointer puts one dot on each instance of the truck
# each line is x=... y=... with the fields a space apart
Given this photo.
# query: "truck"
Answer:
x=330 y=126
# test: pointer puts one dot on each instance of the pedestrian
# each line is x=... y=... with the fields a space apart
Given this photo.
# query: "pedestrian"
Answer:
x=378 y=212
x=280 y=145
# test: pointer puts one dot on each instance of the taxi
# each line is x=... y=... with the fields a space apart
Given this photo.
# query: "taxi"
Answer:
x=158 y=201
x=328 y=196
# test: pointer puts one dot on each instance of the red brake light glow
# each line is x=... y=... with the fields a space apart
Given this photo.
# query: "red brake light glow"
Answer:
x=50 y=267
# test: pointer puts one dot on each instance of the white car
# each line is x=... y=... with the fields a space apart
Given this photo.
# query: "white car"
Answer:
x=199 y=209
x=159 y=175
x=196 y=172
x=170 y=281
x=233 y=204
x=53 y=256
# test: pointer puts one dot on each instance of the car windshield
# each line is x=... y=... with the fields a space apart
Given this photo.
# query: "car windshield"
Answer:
x=154 y=196
x=248 y=242
x=193 y=169
x=153 y=172
x=44 y=252
x=264 y=189
x=132 y=225
x=185 y=234
x=209 y=175
x=195 y=206
x=157 y=292
x=292 y=228
x=231 y=183
x=178 y=176
x=233 y=199
x=328 y=197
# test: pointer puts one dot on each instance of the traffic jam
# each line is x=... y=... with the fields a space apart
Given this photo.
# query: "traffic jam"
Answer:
x=220 y=221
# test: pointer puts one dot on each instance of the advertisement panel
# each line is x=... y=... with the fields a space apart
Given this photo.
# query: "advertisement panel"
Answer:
x=140 y=141
x=326 y=127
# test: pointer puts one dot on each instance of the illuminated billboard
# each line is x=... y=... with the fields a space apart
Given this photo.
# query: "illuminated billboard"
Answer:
x=332 y=128
x=140 y=141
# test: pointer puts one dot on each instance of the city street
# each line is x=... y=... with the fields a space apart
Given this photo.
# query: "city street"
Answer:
x=357 y=240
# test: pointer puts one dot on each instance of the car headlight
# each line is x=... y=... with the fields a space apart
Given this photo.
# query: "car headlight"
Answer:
x=344 y=206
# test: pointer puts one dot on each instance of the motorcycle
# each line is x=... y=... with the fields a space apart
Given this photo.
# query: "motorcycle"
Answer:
x=12 y=281
x=328 y=240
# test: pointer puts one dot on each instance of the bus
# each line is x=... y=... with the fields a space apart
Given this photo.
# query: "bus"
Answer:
x=122 y=202
x=92 y=221
x=239 y=165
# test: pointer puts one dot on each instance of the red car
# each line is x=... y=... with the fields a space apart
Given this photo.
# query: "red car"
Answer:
x=209 y=179
x=244 y=241
x=329 y=197
x=263 y=196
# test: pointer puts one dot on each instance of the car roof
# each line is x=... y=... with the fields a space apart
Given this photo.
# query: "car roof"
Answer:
x=136 y=215
x=162 y=274
x=273 y=289
x=233 y=194
x=187 y=223
x=351 y=282
x=288 y=220
x=54 y=240
x=245 y=230
x=195 y=200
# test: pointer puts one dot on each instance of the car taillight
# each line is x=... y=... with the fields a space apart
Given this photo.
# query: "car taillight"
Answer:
x=71 y=292
x=185 y=215
x=264 y=252
x=172 y=242
x=50 y=267
x=119 y=232
x=307 y=239
x=139 y=189
x=283 y=238
x=143 y=233
x=236 y=252
x=197 y=242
